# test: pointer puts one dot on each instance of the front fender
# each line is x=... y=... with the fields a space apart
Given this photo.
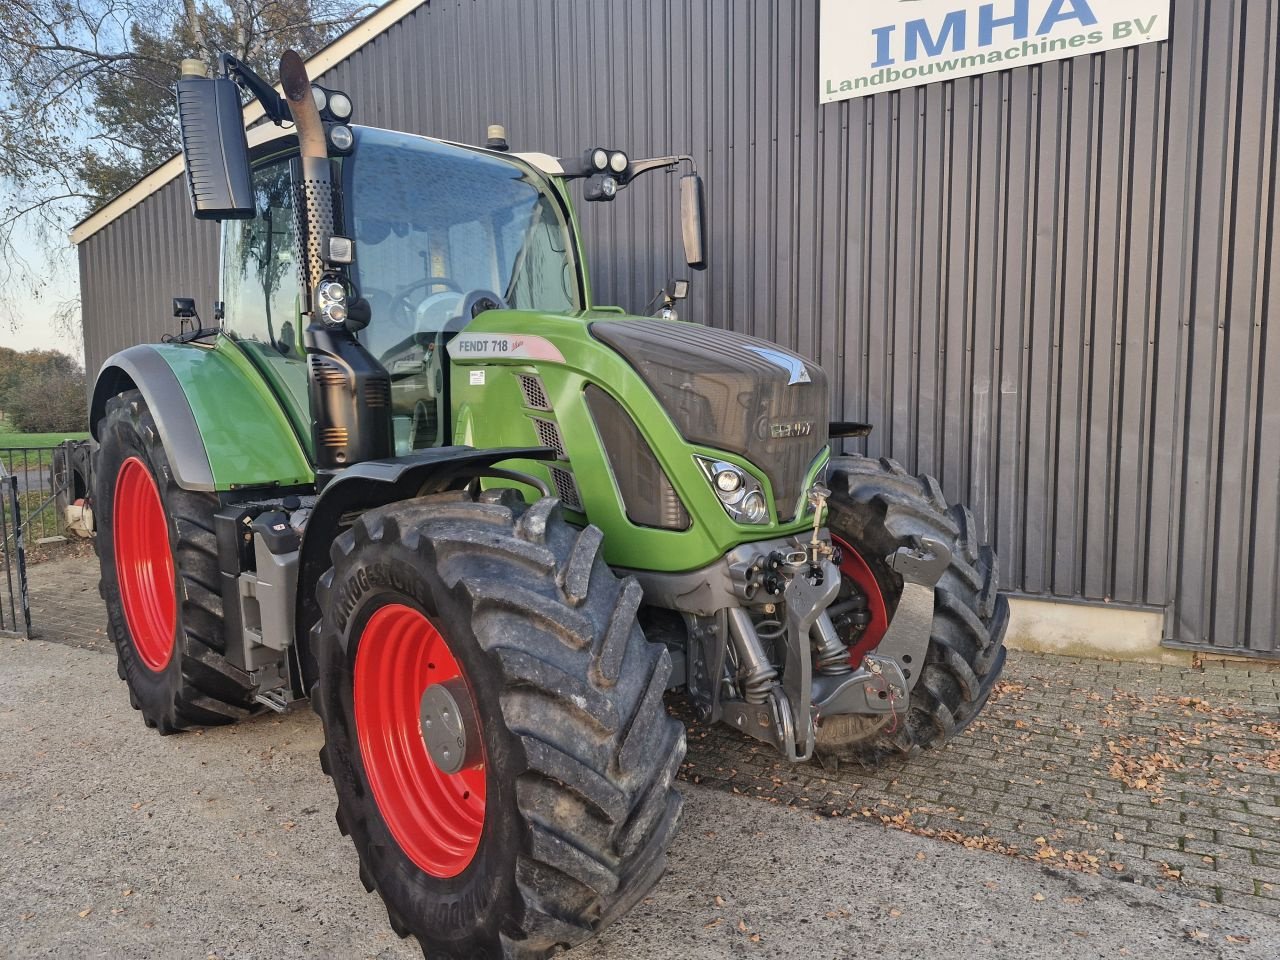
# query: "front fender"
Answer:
x=221 y=425
x=376 y=483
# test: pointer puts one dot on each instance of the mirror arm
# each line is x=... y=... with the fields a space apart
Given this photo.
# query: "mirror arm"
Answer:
x=575 y=169
x=273 y=105
x=639 y=167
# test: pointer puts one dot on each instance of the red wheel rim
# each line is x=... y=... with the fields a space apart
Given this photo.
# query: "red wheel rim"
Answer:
x=144 y=564
x=855 y=569
x=435 y=817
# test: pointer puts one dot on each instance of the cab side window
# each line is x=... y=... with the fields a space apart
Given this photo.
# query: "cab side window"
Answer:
x=259 y=276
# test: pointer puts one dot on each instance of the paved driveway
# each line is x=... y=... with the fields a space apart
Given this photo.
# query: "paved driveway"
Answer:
x=117 y=843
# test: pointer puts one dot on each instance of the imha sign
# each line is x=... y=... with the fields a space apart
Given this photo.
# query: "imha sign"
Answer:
x=868 y=48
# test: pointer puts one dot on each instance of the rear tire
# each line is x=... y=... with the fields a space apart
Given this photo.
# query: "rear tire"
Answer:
x=876 y=507
x=578 y=757
x=169 y=637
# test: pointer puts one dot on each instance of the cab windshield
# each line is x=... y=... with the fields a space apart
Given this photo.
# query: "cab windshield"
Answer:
x=438 y=225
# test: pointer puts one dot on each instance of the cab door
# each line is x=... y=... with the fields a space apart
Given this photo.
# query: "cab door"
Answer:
x=262 y=304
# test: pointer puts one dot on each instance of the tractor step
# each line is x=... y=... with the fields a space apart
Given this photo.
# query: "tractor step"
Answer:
x=273 y=700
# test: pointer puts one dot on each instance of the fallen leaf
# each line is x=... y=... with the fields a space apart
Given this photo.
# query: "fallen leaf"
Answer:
x=742 y=926
x=714 y=923
x=1038 y=897
x=1238 y=938
x=719 y=900
x=920 y=855
x=86 y=912
x=1074 y=901
x=895 y=912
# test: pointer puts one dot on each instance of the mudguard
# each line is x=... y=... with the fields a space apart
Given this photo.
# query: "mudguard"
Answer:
x=221 y=425
x=376 y=483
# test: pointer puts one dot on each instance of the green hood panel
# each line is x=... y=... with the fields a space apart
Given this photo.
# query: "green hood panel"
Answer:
x=491 y=408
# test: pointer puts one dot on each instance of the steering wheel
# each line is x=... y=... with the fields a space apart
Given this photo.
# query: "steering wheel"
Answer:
x=474 y=304
x=479 y=301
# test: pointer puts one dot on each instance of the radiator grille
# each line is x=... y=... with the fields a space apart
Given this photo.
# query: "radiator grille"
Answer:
x=535 y=395
x=549 y=436
x=566 y=488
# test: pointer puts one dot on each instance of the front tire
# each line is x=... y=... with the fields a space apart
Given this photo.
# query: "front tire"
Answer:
x=876 y=507
x=159 y=575
x=559 y=819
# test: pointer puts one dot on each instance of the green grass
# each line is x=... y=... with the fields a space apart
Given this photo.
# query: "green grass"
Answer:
x=9 y=439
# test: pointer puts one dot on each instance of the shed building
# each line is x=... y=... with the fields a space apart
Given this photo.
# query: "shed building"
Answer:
x=1049 y=286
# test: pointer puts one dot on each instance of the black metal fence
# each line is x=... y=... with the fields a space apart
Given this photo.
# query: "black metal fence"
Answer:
x=49 y=479
x=15 y=611
x=45 y=495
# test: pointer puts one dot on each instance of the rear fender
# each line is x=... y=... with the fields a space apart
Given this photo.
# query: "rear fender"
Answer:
x=377 y=483
x=221 y=425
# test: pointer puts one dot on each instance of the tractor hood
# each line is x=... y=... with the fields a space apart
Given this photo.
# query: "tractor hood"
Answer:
x=734 y=393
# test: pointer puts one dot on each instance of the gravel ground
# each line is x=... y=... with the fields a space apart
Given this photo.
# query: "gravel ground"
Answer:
x=1162 y=776
x=122 y=844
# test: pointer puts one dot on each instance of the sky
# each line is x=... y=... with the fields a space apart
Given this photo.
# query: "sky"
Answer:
x=34 y=315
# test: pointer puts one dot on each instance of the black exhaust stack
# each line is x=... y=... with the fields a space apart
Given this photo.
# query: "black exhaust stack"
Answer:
x=350 y=390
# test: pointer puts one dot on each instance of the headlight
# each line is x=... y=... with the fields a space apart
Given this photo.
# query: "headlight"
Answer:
x=599 y=159
x=618 y=162
x=320 y=97
x=754 y=509
x=333 y=302
x=727 y=481
x=738 y=491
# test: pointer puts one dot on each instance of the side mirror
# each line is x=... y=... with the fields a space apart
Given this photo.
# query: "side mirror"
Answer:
x=679 y=290
x=214 y=148
x=184 y=308
x=691 y=221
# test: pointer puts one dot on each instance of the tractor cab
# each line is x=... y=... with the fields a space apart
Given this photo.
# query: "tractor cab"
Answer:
x=441 y=233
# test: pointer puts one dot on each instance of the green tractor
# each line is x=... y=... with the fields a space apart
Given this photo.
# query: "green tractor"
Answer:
x=416 y=474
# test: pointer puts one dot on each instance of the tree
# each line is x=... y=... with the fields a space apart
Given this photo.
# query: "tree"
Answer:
x=87 y=96
x=42 y=390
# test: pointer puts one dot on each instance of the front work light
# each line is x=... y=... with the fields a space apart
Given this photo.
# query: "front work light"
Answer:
x=341 y=138
x=340 y=106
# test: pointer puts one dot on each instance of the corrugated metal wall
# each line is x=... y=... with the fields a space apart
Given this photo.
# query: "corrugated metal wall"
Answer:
x=131 y=270
x=1049 y=287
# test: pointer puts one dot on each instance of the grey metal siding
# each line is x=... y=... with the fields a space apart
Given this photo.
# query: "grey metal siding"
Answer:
x=131 y=270
x=1050 y=287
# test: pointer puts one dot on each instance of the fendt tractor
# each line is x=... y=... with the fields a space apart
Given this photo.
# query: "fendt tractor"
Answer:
x=414 y=473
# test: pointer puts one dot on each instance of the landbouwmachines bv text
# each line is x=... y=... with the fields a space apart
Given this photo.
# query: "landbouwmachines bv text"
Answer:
x=415 y=473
